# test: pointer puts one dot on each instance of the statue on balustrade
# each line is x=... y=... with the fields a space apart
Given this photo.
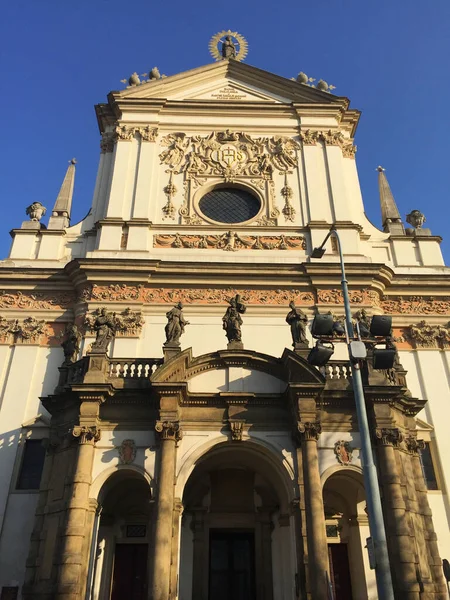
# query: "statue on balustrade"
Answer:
x=297 y=320
x=176 y=324
x=232 y=320
x=105 y=329
x=71 y=345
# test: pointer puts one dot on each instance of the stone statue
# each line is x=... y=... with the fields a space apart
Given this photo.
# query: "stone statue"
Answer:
x=175 y=325
x=228 y=48
x=232 y=320
x=105 y=328
x=71 y=344
x=297 y=321
x=363 y=321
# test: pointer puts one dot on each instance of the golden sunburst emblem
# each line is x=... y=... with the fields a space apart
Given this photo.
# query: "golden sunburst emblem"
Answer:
x=228 y=44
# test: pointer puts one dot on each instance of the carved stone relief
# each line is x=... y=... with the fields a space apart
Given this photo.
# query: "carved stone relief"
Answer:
x=127 y=452
x=35 y=300
x=26 y=331
x=170 y=190
x=237 y=429
x=343 y=452
x=423 y=335
x=330 y=138
x=128 y=323
x=230 y=241
x=128 y=132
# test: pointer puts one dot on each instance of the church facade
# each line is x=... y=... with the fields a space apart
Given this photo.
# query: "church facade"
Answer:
x=162 y=434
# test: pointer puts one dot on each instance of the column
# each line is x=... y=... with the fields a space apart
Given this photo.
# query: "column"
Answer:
x=177 y=512
x=435 y=562
x=398 y=529
x=315 y=516
x=169 y=435
x=73 y=557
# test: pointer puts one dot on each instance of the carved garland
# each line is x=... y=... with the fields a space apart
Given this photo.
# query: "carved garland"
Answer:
x=230 y=241
x=423 y=335
x=128 y=323
x=126 y=133
x=26 y=331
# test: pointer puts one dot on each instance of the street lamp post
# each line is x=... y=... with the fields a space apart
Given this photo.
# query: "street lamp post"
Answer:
x=376 y=522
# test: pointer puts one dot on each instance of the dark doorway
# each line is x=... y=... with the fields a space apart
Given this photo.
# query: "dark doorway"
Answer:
x=130 y=572
x=231 y=565
x=340 y=571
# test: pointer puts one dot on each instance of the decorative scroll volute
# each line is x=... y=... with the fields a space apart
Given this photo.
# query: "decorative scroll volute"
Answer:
x=389 y=437
x=169 y=430
x=413 y=445
x=86 y=434
x=309 y=430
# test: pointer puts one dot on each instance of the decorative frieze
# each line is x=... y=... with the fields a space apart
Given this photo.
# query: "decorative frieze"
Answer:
x=31 y=300
x=389 y=436
x=230 y=241
x=335 y=296
x=127 y=452
x=309 y=430
x=26 y=331
x=169 y=430
x=343 y=452
x=416 y=305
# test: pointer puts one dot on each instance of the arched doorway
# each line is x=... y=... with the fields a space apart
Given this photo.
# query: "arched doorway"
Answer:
x=347 y=531
x=122 y=555
x=236 y=535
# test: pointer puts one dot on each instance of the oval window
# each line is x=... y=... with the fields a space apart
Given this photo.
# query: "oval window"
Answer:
x=229 y=205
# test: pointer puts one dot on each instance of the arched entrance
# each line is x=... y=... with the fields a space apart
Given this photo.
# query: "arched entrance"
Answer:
x=121 y=564
x=236 y=537
x=347 y=529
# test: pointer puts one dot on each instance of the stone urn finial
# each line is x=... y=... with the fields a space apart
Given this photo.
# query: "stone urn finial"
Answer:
x=416 y=219
x=36 y=211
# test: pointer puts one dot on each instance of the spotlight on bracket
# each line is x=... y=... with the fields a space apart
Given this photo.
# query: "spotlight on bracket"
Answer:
x=322 y=325
x=384 y=358
x=320 y=354
x=381 y=326
x=317 y=252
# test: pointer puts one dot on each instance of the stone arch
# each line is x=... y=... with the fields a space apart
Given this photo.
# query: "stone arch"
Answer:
x=108 y=477
x=281 y=473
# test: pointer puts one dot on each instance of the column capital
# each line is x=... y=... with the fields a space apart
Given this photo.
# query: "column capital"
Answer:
x=169 y=430
x=309 y=430
x=413 y=445
x=389 y=436
x=86 y=434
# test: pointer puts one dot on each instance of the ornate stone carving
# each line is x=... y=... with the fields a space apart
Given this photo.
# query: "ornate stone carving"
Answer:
x=107 y=143
x=6 y=329
x=343 y=452
x=416 y=219
x=334 y=296
x=362 y=323
x=413 y=445
x=416 y=305
x=232 y=320
x=170 y=190
x=169 y=430
x=330 y=138
x=128 y=132
x=127 y=452
x=237 y=429
x=36 y=211
x=228 y=154
x=29 y=330
x=389 y=437
x=297 y=321
x=132 y=80
x=71 y=343
x=112 y=293
x=233 y=46
x=127 y=323
x=309 y=430
x=175 y=325
x=264 y=221
x=86 y=434
x=288 y=210
x=35 y=300
x=423 y=335
x=230 y=241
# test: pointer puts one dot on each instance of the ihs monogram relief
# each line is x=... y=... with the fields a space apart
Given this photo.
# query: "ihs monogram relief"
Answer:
x=229 y=155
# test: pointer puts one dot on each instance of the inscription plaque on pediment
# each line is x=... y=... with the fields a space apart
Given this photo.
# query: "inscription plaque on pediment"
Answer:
x=228 y=92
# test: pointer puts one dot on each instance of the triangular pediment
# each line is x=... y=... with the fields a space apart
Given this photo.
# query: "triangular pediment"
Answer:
x=227 y=81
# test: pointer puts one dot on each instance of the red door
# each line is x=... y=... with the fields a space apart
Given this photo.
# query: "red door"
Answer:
x=340 y=571
x=130 y=572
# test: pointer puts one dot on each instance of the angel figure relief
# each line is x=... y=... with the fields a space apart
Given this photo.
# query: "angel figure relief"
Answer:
x=283 y=151
x=177 y=145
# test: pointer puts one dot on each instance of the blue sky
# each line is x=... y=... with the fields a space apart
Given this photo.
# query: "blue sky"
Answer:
x=390 y=57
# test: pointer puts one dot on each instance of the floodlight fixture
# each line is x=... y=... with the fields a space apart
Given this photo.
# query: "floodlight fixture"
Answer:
x=317 y=252
x=384 y=358
x=320 y=354
x=322 y=325
x=357 y=350
x=381 y=326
